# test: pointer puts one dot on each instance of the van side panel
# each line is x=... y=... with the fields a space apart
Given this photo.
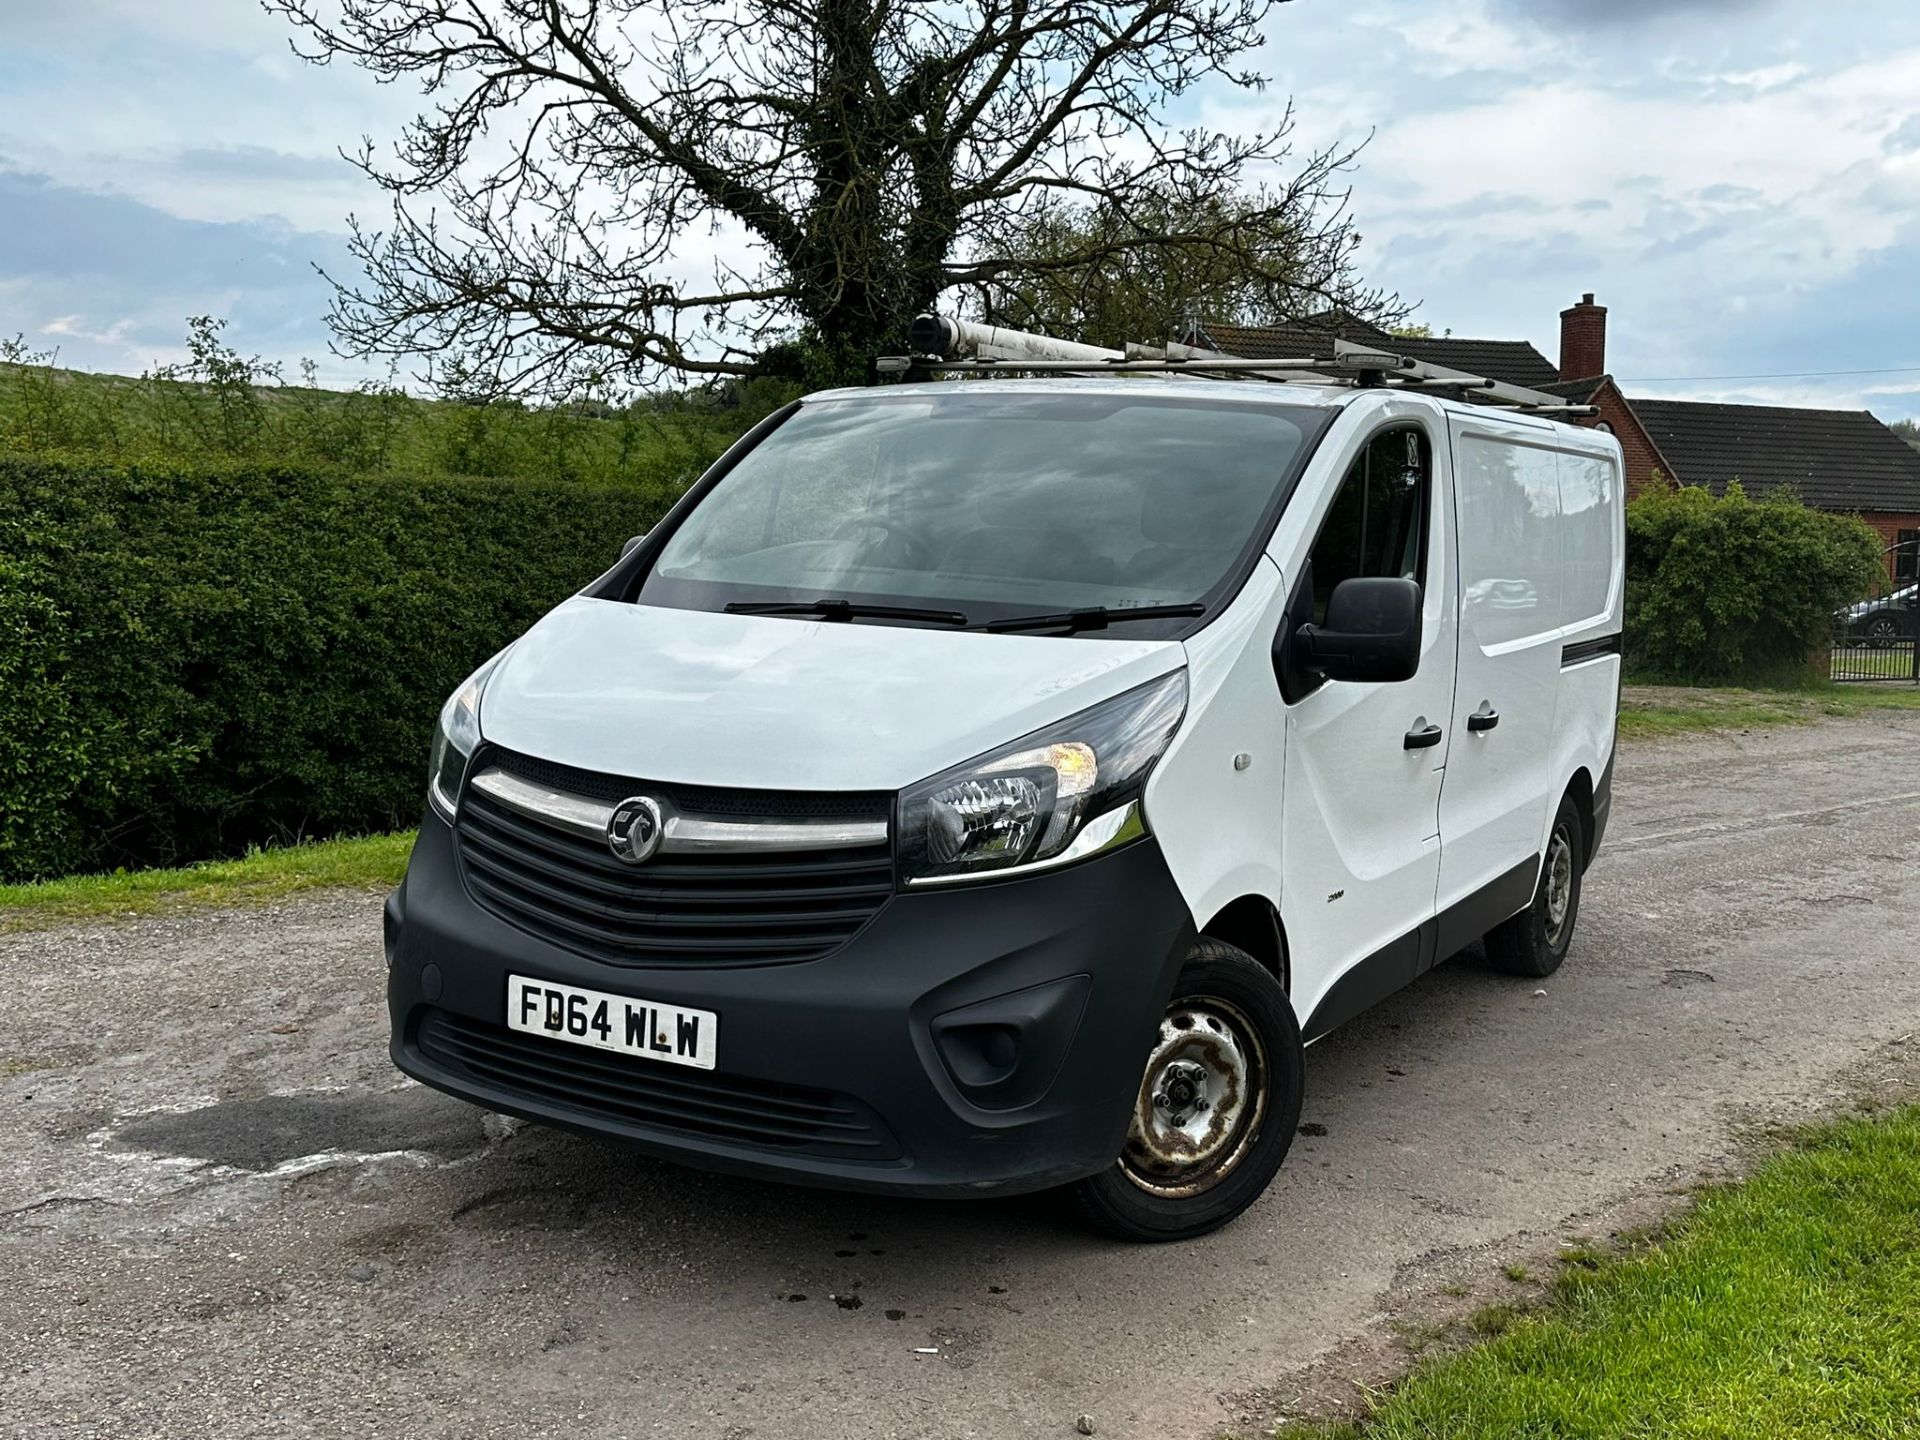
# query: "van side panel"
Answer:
x=1494 y=804
x=1546 y=550
x=1589 y=691
x=1219 y=826
x=1593 y=499
x=1593 y=509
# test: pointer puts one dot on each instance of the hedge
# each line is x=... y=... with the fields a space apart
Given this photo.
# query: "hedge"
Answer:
x=195 y=661
x=1736 y=589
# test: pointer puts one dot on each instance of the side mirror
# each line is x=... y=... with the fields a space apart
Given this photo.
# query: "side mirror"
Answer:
x=1372 y=632
x=627 y=549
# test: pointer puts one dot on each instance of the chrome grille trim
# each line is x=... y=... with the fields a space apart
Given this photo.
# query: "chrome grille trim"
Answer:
x=684 y=834
x=583 y=817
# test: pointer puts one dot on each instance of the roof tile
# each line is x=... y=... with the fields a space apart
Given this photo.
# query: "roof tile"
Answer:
x=1835 y=459
x=1513 y=361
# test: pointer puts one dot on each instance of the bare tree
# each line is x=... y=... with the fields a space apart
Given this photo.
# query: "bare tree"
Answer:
x=1105 y=273
x=864 y=157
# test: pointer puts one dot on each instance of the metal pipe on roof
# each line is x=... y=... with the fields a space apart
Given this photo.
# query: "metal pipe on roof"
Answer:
x=951 y=339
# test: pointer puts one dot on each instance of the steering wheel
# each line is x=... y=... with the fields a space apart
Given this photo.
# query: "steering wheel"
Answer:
x=910 y=549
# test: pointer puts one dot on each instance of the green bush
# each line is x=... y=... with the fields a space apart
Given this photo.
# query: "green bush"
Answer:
x=195 y=661
x=1735 y=589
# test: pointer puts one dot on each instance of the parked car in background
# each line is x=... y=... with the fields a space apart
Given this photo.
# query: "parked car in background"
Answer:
x=1884 y=621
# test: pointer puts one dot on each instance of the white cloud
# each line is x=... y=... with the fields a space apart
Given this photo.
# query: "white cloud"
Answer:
x=1814 y=155
x=1449 y=40
x=136 y=86
x=1768 y=77
x=1738 y=179
x=74 y=327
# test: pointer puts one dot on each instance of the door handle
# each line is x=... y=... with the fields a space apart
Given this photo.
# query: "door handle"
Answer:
x=1485 y=718
x=1423 y=736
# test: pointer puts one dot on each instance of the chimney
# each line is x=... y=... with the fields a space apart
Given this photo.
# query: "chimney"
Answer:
x=1583 y=340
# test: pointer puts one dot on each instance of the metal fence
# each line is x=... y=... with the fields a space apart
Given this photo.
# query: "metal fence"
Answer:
x=1876 y=639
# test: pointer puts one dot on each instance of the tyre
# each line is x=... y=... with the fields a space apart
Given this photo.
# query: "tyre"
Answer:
x=1535 y=941
x=1882 y=631
x=1216 y=1109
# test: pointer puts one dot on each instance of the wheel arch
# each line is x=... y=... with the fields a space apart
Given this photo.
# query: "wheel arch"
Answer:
x=1252 y=923
x=1580 y=791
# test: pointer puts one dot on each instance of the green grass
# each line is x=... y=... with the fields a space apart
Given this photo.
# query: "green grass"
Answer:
x=261 y=876
x=1490 y=1320
x=1648 y=711
x=1783 y=1306
x=663 y=439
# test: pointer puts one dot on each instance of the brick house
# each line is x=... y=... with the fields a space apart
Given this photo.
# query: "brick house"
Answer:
x=1583 y=380
x=1844 y=461
x=1840 y=460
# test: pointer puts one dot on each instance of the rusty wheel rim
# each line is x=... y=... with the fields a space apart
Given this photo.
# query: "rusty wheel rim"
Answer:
x=1559 y=885
x=1200 y=1101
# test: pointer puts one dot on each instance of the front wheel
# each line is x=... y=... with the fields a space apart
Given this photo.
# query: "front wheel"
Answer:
x=1216 y=1109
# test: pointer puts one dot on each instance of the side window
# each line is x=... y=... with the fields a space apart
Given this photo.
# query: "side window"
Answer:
x=1378 y=523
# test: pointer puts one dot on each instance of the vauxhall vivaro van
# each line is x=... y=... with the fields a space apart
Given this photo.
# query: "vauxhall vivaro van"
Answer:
x=975 y=787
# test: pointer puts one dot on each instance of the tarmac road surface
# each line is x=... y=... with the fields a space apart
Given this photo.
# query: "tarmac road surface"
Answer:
x=224 y=1214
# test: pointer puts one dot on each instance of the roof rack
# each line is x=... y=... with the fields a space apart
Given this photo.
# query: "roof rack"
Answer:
x=945 y=345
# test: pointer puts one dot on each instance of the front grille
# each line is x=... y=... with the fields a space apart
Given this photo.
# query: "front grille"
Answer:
x=597 y=1085
x=736 y=908
x=698 y=799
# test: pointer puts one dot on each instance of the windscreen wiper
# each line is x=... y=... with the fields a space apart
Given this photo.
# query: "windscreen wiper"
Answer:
x=1097 y=617
x=827 y=609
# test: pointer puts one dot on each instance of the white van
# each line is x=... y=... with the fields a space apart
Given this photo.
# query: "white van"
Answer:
x=977 y=787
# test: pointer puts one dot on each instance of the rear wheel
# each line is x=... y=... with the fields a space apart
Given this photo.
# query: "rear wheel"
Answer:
x=1216 y=1109
x=1535 y=941
x=1882 y=631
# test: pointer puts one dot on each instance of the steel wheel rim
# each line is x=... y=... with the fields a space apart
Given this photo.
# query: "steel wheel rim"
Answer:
x=1201 y=1100
x=1559 y=884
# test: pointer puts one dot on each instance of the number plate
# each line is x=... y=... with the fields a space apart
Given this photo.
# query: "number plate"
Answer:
x=613 y=1022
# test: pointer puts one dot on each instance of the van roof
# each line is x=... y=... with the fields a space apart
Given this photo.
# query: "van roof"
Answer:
x=1294 y=393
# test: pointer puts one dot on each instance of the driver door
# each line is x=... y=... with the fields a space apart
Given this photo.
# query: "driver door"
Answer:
x=1365 y=760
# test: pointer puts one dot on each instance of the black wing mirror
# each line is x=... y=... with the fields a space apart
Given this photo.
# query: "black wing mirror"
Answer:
x=1372 y=632
x=627 y=549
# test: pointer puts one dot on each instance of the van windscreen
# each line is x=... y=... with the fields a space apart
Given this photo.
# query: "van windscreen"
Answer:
x=991 y=505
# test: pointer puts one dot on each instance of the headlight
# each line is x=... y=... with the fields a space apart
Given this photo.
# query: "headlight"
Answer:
x=454 y=737
x=1054 y=796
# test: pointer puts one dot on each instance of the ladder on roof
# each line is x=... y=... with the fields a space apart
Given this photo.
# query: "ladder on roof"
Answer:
x=944 y=345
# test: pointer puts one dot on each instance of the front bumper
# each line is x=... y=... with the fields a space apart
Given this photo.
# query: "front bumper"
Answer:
x=978 y=1039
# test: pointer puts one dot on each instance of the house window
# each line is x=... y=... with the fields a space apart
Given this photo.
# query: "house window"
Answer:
x=1906 y=555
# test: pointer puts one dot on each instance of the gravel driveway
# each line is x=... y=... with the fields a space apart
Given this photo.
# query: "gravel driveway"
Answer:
x=224 y=1214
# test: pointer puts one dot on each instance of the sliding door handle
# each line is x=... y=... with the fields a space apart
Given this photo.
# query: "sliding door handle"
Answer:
x=1485 y=718
x=1423 y=736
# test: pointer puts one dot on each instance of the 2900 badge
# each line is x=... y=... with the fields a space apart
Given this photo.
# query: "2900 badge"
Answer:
x=620 y=1023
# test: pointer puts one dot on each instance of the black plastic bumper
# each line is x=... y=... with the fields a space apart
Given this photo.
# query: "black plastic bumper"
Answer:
x=978 y=1039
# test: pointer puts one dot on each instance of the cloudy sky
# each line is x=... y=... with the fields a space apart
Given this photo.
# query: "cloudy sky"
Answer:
x=1739 y=180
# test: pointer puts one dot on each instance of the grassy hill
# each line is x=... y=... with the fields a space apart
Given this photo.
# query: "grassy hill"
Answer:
x=221 y=406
